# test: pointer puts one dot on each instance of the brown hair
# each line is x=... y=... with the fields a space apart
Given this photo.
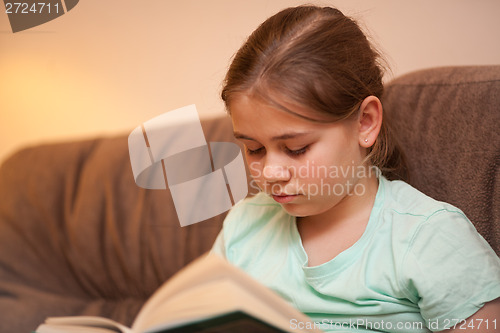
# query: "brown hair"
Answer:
x=316 y=58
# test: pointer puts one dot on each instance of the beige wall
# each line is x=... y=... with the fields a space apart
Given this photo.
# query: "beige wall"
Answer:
x=107 y=66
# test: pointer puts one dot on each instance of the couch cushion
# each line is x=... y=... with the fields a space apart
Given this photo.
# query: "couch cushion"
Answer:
x=447 y=121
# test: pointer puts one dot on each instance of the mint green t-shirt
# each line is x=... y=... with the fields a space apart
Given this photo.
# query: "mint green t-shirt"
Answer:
x=419 y=266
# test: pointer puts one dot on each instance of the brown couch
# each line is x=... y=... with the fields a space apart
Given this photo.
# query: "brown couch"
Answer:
x=77 y=236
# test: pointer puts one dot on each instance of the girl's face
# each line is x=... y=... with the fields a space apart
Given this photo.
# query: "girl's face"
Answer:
x=307 y=167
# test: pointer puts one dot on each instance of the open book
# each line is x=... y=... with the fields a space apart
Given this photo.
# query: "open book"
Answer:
x=208 y=295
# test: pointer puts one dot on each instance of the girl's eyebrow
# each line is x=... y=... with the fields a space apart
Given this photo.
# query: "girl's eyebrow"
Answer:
x=274 y=138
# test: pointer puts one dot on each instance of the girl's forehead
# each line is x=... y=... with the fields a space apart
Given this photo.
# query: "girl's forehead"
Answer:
x=247 y=110
x=268 y=107
x=258 y=120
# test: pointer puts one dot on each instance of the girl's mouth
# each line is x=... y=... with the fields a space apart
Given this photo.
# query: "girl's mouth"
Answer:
x=284 y=198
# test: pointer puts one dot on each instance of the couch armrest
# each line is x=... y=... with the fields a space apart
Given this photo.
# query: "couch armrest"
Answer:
x=79 y=237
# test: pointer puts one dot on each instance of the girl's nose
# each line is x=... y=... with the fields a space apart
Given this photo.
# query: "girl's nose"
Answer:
x=276 y=171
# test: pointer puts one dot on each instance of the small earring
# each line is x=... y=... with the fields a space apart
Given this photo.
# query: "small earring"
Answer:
x=366 y=140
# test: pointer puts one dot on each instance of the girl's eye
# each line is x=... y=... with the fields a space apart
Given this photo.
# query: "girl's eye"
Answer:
x=255 y=151
x=297 y=152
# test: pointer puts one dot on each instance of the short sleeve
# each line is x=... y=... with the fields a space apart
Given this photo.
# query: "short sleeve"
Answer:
x=219 y=247
x=449 y=269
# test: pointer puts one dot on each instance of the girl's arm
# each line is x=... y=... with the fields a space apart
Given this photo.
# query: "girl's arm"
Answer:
x=487 y=319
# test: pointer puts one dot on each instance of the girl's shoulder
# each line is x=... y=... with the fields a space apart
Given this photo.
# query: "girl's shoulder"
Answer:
x=416 y=218
x=442 y=262
x=259 y=202
x=252 y=212
x=406 y=200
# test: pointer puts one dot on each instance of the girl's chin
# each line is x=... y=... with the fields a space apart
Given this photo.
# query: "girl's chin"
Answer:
x=300 y=210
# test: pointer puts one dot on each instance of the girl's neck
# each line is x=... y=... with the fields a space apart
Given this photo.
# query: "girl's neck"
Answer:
x=325 y=235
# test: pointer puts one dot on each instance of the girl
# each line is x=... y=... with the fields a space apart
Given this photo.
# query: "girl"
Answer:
x=329 y=232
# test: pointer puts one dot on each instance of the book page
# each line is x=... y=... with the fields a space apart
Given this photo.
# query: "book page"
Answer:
x=88 y=324
x=45 y=328
x=201 y=278
x=218 y=298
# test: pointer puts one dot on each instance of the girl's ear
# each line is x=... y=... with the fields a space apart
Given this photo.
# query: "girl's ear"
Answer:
x=370 y=121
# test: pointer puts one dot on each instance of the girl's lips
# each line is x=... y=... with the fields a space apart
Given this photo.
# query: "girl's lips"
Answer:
x=282 y=199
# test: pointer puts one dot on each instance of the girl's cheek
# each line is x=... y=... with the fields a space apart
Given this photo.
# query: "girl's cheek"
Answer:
x=255 y=169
